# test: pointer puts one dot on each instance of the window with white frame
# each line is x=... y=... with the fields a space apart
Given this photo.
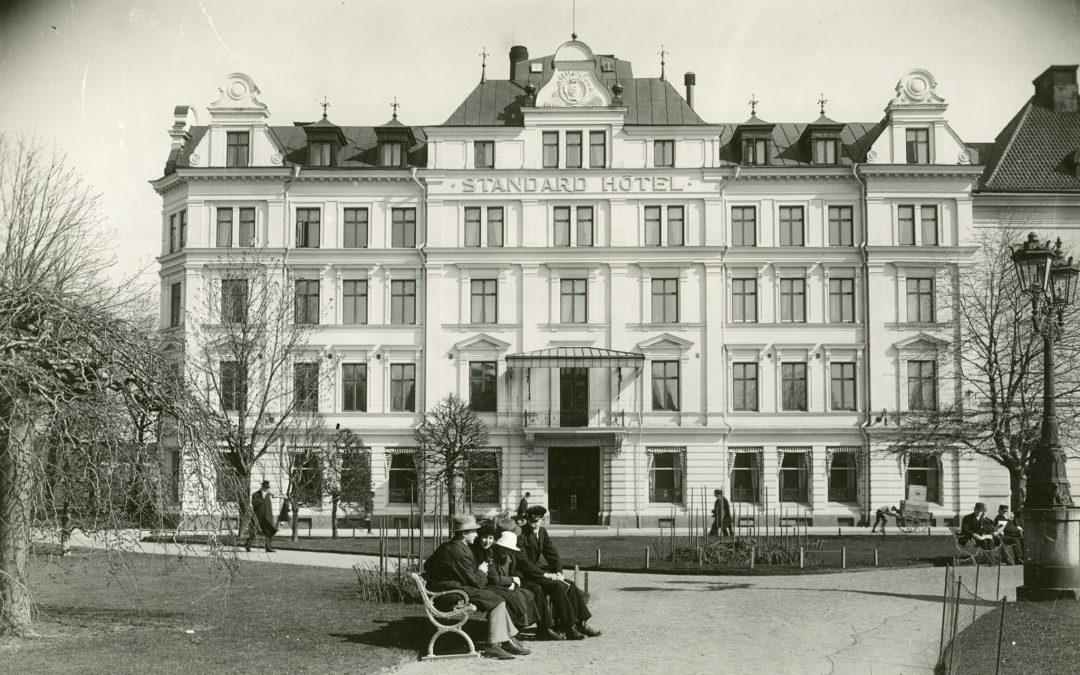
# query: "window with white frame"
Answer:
x=483 y=396
x=665 y=300
x=176 y=304
x=403 y=387
x=917 y=145
x=664 y=153
x=744 y=386
x=573 y=150
x=306 y=387
x=305 y=477
x=793 y=300
x=842 y=386
x=597 y=149
x=403 y=301
x=841 y=226
x=793 y=386
x=306 y=301
x=665 y=385
x=354 y=301
x=922 y=385
x=573 y=301
x=551 y=149
x=307 y=227
x=746 y=475
x=843 y=475
x=234 y=301
x=744 y=226
x=744 y=300
x=665 y=226
x=917 y=224
x=403 y=228
x=483 y=475
x=920 y=300
x=484 y=226
x=923 y=477
x=354 y=387
x=667 y=475
x=237 y=144
x=402 y=480
x=356 y=228
x=573 y=226
x=794 y=476
x=841 y=300
x=232 y=386
x=484 y=154
x=484 y=301
x=792 y=226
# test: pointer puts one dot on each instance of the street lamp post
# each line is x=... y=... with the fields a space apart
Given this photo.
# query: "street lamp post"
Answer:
x=1051 y=519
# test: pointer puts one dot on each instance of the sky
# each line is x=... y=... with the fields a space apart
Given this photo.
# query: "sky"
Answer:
x=100 y=78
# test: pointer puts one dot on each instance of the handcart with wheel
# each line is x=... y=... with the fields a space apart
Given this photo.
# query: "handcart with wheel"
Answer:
x=913 y=517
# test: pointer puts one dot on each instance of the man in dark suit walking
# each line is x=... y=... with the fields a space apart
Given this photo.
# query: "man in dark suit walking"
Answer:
x=262 y=507
x=452 y=566
x=548 y=581
x=523 y=505
x=721 y=513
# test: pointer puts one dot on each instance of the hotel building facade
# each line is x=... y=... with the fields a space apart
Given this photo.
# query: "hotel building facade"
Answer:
x=642 y=306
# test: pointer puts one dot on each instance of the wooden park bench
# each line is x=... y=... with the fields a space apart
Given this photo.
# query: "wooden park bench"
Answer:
x=447 y=622
x=972 y=553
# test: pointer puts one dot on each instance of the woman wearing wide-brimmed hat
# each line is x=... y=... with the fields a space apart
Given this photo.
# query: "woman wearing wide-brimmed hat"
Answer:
x=502 y=575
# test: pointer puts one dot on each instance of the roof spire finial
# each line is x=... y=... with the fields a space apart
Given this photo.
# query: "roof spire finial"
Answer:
x=753 y=104
x=821 y=102
x=395 y=105
x=663 y=52
x=573 y=22
x=325 y=104
x=483 y=65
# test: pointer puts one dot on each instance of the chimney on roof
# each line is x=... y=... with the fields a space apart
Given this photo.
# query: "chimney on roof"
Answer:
x=690 y=80
x=518 y=54
x=1056 y=88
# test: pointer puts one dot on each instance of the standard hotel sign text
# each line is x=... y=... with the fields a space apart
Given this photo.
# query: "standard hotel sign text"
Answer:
x=523 y=184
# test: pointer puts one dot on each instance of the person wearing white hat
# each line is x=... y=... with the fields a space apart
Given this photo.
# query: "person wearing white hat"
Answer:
x=452 y=566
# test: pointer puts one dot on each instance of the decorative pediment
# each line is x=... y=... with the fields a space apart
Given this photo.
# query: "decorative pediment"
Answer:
x=238 y=93
x=921 y=343
x=573 y=83
x=482 y=343
x=665 y=342
x=916 y=87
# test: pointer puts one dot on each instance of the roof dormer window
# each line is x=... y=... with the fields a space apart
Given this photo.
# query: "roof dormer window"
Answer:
x=236 y=148
x=391 y=153
x=755 y=151
x=394 y=139
x=918 y=146
x=324 y=140
x=824 y=151
x=319 y=153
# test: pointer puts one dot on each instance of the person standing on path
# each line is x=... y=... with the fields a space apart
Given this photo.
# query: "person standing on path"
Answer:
x=523 y=505
x=262 y=507
x=721 y=515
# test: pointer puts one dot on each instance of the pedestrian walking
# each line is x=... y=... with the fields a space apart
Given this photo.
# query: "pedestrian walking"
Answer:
x=523 y=505
x=721 y=513
x=262 y=506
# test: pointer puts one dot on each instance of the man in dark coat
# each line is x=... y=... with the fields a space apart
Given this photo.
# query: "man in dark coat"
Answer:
x=452 y=566
x=262 y=507
x=523 y=505
x=721 y=513
x=548 y=579
x=976 y=528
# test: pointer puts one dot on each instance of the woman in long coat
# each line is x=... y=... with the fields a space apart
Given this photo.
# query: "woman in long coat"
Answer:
x=520 y=603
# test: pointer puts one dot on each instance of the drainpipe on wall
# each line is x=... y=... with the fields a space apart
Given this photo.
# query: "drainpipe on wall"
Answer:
x=866 y=337
x=723 y=341
x=423 y=272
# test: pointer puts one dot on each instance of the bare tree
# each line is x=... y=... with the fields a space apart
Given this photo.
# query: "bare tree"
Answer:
x=449 y=436
x=998 y=414
x=75 y=364
x=249 y=354
x=346 y=476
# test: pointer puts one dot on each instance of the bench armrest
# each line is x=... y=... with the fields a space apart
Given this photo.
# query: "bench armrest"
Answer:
x=462 y=607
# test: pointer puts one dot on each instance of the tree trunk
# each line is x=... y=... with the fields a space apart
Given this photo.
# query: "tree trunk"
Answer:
x=1017 y=488
x=294 y=517
x=333 y=517
x=16 y=444
x=451 y=494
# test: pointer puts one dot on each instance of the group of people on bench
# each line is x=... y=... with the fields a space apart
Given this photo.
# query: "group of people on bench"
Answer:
x=498 y=564
x=1005 y=530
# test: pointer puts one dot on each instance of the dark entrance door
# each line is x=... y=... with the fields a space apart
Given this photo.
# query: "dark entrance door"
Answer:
x=573 y=397
x=574 y=485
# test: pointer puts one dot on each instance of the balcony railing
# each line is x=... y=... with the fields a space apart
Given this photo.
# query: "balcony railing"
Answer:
x=596 y=419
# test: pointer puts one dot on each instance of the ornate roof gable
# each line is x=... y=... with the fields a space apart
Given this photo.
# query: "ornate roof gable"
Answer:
x=573 y=83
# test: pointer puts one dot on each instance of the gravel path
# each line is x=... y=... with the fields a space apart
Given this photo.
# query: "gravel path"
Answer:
x=860 y=623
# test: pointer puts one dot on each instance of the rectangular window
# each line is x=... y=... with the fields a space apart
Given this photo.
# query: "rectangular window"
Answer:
x=319 y=153
x=793 y=386
x=597 y=149
x=354 y=294
x=744 y=226
x=551 y=149
x=744 y=300
x=236 y=148
x=665 y=300
x=665 y=385
x=355 y=475
x=183 y=229
x=224 y=228
x=403 y=301
x=173 y=247
x=306 y=387
x=793 y=300
x=482 y=477
x=391 y=154
x=842 y=386
x=234 y=301
x=482 y=386
x=402 y=483
x=573 y=149
x=307 y=301
x=920 y=300
x=175 y=305
x=354 y=387
x=472 y=226
x=664 y=153
x=307 y=228
x=233 y=386
x=562 y=225
x=745 y=477
x=573 y=301
x=676 y=235
x=227 y=485
x=356 y=228
x=922 y=385
x=905 y=220
x=247 y=227
x=305 y=478
x=791 y=226
x=756 y=151
x=173 y=476
x=402 y=387
x=825 y=151
x=403 y=228
x=584 y=226
x=841 y=300
x=484 y=154
x=495 y=226
x=652 y=225
x=928 y=225
x=484 y=297
x=923 y=475
x=841 y=226
x=843 y=478
x=666 y=478
x=744 y=395
x=794 y=471
x=918 y=146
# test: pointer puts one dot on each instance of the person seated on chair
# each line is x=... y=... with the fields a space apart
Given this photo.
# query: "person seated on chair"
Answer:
x=977 y=529
x=502 y=576
x=568 y=601
x=1011 y=531
x=452 y=566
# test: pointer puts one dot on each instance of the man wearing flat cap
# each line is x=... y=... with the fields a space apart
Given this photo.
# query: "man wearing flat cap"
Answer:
x=262 y=507
x=978 y=529
x=545 y=579
x=452 y=566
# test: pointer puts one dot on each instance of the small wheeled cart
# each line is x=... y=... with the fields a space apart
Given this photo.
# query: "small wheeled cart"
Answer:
x=913 y=517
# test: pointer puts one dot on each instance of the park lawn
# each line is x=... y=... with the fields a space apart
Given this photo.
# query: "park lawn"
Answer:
x=627 y=553
x=1037 y=638
x=102 y=613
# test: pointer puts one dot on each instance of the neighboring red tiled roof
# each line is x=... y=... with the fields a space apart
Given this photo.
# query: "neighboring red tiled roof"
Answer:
x=1033 y=153
x=855 y=137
